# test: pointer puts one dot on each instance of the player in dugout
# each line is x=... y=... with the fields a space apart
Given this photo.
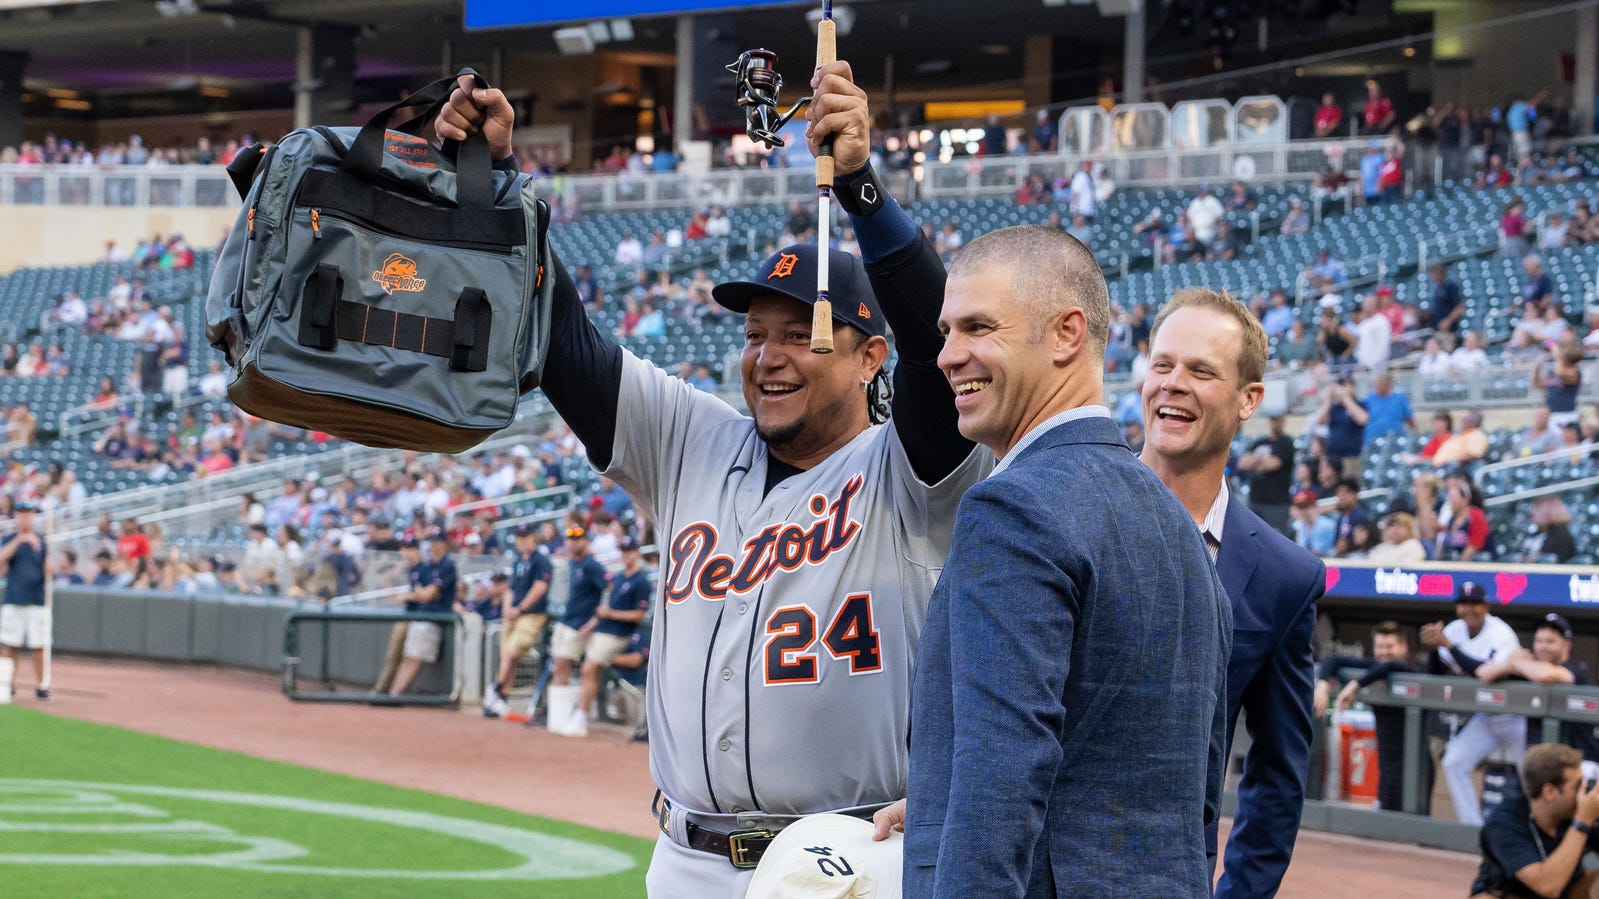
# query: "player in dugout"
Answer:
x=801 y=542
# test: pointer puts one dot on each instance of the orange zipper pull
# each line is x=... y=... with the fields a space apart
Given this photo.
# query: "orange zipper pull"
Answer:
x=316 y=225
x=251 y=219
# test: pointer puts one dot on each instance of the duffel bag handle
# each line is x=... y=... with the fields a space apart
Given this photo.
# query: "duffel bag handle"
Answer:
x=474 y=170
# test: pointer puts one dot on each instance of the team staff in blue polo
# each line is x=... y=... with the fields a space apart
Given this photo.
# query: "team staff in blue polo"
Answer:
x=612 y=626
x=434 y=587
x=526 y=614
x=568 y=642
x=24 y=617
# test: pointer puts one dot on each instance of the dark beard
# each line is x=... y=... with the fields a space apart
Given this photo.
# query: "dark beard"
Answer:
x=780 y=440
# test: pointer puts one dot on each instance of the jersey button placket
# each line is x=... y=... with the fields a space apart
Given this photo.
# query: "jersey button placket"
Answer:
x=727 y=674
x=724 y=745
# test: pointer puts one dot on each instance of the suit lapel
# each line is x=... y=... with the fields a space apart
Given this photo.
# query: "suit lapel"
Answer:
x=1240 y=549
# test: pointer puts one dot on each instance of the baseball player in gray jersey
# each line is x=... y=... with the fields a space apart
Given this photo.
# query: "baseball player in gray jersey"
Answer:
x=799 y=546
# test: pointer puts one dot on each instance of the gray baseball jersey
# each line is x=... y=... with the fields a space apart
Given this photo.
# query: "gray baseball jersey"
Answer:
x=786 y=623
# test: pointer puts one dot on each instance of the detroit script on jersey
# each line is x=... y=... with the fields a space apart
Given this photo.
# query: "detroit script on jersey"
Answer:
x=693 y=568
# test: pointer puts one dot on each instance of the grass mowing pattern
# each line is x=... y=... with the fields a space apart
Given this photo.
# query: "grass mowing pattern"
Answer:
x=389 y=851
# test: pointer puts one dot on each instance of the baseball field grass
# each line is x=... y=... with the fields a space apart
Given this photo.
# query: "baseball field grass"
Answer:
x=92 y=811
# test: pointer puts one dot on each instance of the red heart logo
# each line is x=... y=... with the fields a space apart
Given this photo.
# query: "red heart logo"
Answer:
x=1509 y=586
x=1435 y=585
x=1333 y=574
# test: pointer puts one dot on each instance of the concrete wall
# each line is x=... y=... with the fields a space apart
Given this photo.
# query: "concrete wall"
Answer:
x=66 y=235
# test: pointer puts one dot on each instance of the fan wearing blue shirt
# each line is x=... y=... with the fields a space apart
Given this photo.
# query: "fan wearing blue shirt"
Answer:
x=1387 y=410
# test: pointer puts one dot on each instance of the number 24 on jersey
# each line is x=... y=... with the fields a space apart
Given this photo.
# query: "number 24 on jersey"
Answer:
x=791 y=656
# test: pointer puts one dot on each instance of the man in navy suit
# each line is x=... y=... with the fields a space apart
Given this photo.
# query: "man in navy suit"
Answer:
x=1068 y=701
x=1207 y=358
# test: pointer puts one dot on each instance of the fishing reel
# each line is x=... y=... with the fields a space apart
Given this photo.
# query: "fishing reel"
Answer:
x=757 y=85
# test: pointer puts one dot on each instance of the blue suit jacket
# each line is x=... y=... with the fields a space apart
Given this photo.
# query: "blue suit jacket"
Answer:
x=1068 y=706
x=1273 y=585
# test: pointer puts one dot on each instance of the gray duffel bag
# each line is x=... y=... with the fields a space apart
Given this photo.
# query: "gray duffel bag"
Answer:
x=381 y=290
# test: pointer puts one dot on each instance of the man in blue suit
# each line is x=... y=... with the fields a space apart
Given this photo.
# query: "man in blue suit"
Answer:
x=1068 y=701
x=1207 y=358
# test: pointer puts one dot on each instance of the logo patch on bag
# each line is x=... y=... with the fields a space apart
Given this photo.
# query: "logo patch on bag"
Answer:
x=399 y=273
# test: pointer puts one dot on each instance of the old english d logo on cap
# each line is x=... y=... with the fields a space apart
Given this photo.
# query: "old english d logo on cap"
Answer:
x=784 y=266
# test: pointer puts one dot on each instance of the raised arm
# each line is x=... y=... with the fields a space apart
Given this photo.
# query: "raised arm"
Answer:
x=906 y=276
x=583 y=370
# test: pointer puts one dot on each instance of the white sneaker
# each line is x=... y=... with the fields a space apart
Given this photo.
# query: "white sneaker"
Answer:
x=576 y=726
x=494 y=705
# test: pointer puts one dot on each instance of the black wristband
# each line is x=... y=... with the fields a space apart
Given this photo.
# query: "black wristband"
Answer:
x=1582 y=828
x=859 y=193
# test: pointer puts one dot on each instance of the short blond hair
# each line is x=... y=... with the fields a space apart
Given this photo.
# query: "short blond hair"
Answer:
x=1252 y=352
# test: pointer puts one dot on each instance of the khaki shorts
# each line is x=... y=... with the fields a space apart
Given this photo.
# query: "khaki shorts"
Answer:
x=24 y=627
x=521 y=635
x=566 y=643
x=422 y=639
x=603 y=648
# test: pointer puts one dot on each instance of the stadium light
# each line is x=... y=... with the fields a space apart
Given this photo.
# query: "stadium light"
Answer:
x=574 y=41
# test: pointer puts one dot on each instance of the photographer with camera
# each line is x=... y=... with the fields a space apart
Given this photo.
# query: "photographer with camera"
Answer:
x=1533 y=845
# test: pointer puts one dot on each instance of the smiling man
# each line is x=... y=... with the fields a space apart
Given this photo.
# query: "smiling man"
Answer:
x=1207 y=358
x=799 y=542
x=1070 y=687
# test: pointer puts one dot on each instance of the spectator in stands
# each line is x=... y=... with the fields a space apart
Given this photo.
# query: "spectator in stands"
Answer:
x=1336 y=340
x=1328 y=117
x=1560 y=376
x=1463 y=532
x=1350 y=513
x=1313 y=530
x=1269 y=466
x=1470 y=445
x=1388 y=411
x=1224 y=247
x=1523 y=348
x=1534 y=841
x=213 y=384
x=1390 y=655
x=1379 y=112
x=1513 y=230
x=1435 y=364
x=1045 y=136
x=1553 y=234
x=1330 y=183
x=1519 y=118
x=1082 y=198
x=629 y=252
x=1538 y=289
x=1553 y=535
x=655 y=251
x=1204 y=213
x=1300 y=348
x=1469 y=356
x=1297 y=219
x=1447 y=307
x=1279 y=318
x=1345 y=419
x=1373 y=334
x=1327 y=272
x=1399 y=545
x=1240 y=199
x=610 y=630
x=1458 y=649
x=261 y=566
x=1371 y=173
x=1495 y=175
x=1572 y=438
x=1082 y=229
x=1391 y=174
x=1539 y=437
x=949 y=239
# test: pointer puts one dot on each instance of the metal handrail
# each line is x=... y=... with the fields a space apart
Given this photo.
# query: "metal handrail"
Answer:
x=1535 y=492
x=477 y=505
x=1551 y=456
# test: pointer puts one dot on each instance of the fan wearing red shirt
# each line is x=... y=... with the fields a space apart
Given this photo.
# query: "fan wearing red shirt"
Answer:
x=1391 y=176
x=133 y=545
x=1391 y=309
x=1328 y=116
x=1379 y=110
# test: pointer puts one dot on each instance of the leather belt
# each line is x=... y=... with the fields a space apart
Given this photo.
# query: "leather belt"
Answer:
x=742 y=848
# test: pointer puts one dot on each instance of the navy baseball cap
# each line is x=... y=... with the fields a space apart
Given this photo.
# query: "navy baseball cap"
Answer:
x=1557 y=623
x=791 y=272
x=526 y=530
x=1471 y=591
x=409 y=543
x=628 y=544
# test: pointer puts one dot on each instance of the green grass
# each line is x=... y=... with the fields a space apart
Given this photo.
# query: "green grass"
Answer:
x=91 y=811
